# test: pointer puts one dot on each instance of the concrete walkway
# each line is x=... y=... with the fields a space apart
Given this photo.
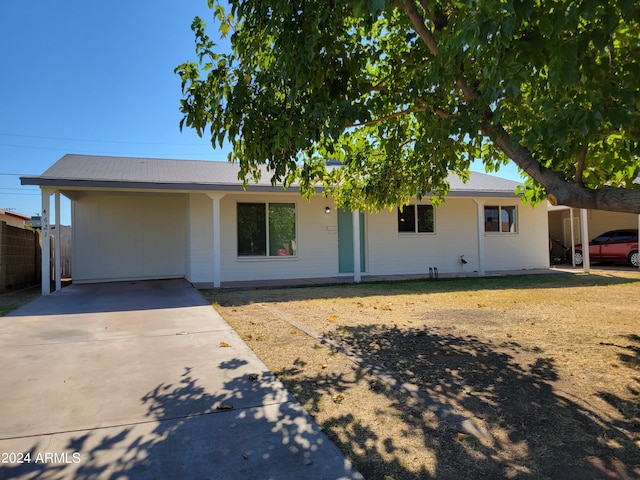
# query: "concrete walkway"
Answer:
x=145 y=380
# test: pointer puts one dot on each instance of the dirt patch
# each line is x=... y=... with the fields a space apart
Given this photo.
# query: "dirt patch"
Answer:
x=549 y=366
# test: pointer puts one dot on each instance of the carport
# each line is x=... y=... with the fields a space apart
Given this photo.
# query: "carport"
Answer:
x=573 y=226
x=137 y=235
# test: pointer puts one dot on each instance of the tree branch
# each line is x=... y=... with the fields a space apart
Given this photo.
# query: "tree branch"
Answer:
x=387 y=117
x=580 y=166
x=438 y=111
x=429 y=40
x=418 y=23
x=564 y=193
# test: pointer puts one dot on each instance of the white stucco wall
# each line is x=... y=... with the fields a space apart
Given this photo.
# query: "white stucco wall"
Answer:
x=528 y=248
x=390 y=252
x=199 y=247
x=122 y=236
x=387 y=252
x=317 y=241
x=125 y=236
x=601 y=221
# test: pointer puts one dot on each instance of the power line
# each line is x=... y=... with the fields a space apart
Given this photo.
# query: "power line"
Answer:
x=18 y=190
x=31 y=194
x=93 y=141
x=66 y=149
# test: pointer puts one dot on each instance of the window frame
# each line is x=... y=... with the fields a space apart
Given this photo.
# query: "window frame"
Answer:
x=267 y=232
x=500 y=209
x=415 y=207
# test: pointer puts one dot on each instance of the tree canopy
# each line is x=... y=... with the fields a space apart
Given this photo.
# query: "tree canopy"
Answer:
x=403 y=92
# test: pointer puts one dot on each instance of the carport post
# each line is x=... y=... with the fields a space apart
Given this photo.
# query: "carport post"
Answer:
x=46 y=240
x=57 y=242
x=573 y=239
x=357 y=275
x=480 y=230
x=217 y=255
x=586 y=262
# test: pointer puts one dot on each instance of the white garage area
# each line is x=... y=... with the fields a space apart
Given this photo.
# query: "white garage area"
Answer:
x=128 y=236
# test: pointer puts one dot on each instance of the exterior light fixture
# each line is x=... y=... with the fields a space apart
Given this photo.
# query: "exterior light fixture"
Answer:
x=327 y=210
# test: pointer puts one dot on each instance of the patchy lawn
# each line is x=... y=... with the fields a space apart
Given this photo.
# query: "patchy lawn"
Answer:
x=511 y=377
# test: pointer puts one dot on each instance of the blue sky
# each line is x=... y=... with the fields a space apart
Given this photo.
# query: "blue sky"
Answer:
x=90 y=77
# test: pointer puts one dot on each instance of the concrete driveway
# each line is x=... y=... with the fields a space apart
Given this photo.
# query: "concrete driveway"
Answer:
x=133 y=380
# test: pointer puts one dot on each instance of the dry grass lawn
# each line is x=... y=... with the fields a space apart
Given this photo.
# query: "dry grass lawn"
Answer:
x=545 y=367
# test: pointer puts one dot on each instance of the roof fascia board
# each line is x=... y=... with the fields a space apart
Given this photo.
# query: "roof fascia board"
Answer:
x=62 y=183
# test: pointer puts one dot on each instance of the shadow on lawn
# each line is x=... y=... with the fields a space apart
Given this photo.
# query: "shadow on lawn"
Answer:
x=238 y=297
x=629 y=409
x=195 y=434
x=537 y=432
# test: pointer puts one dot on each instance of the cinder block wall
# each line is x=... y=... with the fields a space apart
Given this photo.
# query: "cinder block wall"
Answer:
x=20 y=257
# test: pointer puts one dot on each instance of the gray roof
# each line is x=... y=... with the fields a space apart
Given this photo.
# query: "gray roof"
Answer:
x=154 y=173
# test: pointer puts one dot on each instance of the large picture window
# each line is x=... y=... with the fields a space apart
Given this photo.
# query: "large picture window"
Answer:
x=266 y=229
x=416 y=219
x=500 y=219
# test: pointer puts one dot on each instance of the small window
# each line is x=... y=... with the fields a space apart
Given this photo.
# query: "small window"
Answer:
x=500 y=219
x=416 y=218
x=266 y=224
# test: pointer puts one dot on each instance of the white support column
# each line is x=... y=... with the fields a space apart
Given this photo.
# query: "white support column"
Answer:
x=584 y=226
x=46 y=240
x=357 y=275
x=57 y=244
x=480 y=232
x=217 y=251
x=573 y=239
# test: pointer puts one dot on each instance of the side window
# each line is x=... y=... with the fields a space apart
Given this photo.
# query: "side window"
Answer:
x=501 y=219
x=626 y=236
x=416 y=219
x=266 y=224
x=605 y=237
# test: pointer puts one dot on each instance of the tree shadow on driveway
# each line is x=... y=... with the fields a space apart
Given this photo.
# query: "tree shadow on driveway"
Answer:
x=248 y=430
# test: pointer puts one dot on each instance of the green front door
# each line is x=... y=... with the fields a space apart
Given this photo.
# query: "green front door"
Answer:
x=345 y=242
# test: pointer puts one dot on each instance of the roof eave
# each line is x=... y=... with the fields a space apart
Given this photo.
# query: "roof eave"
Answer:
x=110 y=184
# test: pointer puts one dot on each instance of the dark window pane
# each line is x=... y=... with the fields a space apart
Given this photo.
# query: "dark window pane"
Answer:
x=491 y=219
x=252 y=229
x=407 y=219
x=425 y=218
x=282 y=229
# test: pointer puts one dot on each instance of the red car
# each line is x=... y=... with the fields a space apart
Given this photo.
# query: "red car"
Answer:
x=616 y=246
